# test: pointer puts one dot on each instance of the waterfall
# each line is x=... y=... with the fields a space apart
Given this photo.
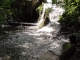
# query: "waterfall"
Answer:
x=45 y=6
x=41 y=22
x=53 y=16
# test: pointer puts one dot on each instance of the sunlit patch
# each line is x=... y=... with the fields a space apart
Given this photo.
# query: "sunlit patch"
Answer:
x=46 y=29
x=26 y=45
x=49 y=1
x=56 y=47
x=47 y=5
x=23 y=53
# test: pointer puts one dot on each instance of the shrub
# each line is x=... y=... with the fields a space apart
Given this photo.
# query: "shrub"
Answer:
x=70 y=18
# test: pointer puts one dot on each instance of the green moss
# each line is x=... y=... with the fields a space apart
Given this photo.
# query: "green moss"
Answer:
x=66 y=46
x=40 y=8
x=48 y=10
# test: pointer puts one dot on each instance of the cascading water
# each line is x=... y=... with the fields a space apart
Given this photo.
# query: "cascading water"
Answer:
x=53 y=16
x=53 y=27
x=45 y=6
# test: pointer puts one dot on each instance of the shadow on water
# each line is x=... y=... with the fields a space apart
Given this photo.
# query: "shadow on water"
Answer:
x=7 y=53
x=8 y=50
x=5 y=31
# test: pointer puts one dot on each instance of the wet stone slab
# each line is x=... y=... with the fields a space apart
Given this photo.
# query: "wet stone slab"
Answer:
x=49 y=56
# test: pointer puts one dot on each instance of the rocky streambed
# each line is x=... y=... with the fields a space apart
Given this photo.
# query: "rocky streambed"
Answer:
x=29 y=43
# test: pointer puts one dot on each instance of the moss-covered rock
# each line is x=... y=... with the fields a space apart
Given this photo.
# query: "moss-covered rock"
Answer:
x=66 y=46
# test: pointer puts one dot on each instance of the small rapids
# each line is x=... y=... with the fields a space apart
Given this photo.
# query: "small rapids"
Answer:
x=53 y=28
x=54 y=15
x=29 y=42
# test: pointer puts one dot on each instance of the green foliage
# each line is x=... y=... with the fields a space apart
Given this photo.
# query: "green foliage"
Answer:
x=69 y=19
x=48 y=10
x=4 y=9
x=40 y=8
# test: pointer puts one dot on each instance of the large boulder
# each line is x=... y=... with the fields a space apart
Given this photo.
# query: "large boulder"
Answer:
x=25 y=10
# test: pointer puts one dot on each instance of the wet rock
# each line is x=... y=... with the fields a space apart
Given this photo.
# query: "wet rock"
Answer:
x=68 y=54
x=48 y=56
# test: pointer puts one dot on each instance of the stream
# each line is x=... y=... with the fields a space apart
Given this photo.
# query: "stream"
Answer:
x=29 y=42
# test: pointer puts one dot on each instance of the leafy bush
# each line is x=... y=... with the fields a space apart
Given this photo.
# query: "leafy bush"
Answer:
x=70 y=18
x=40 y=8
x=48 y=10
x=4 y=9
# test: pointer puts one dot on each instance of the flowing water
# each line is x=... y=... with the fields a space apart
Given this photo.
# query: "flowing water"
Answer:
x=29 y=42
x=45 y=6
